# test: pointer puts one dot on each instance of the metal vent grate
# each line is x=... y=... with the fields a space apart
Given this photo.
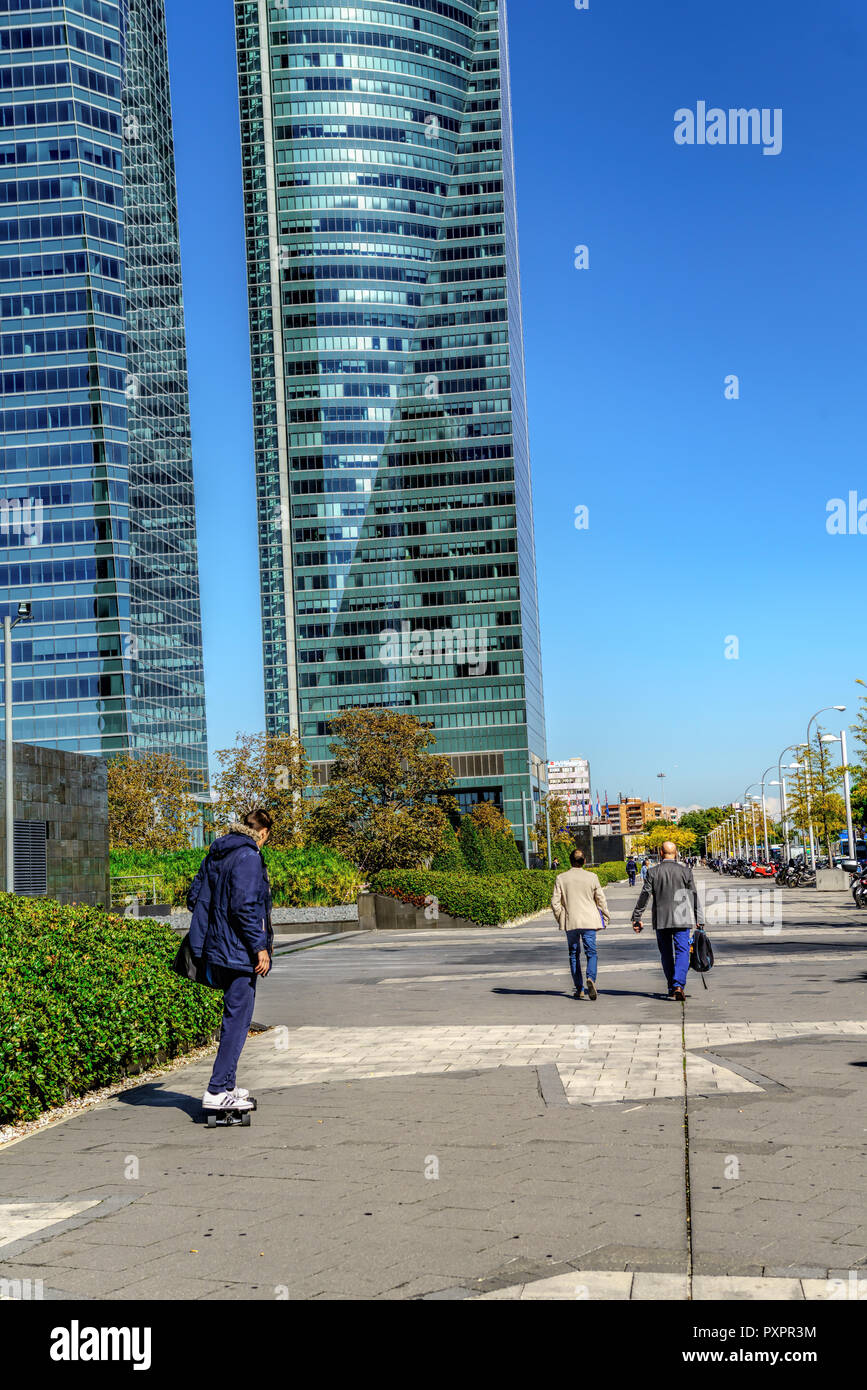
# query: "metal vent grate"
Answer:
x=31 y=860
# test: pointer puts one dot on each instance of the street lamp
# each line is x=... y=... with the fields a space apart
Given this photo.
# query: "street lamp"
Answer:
x=25 y=613
x=765 y=813
x=824 y=710
x=747 y=800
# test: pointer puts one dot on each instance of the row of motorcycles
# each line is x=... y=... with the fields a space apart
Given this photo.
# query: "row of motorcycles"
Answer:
x=795 y=874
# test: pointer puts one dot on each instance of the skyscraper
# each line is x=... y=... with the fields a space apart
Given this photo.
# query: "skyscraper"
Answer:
x=392 y=461
x=97 y=522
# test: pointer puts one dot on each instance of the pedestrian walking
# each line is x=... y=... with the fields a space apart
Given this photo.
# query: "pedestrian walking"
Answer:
x=644 y=871
x=632 y=870
x=230 y=934
x=676 y=912
x=579 y=905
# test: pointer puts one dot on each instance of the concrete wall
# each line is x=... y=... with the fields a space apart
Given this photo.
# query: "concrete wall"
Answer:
x=68 y=791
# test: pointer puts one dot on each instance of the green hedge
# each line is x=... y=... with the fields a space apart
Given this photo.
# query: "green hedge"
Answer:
x=489 y=899
x=313 y=876
x=86 y=999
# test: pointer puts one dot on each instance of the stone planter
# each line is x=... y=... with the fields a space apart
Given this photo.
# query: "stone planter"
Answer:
x=380 y=912
x=831 y=881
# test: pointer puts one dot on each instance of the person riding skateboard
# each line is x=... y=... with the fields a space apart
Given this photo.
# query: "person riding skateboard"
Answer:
x=230 y=933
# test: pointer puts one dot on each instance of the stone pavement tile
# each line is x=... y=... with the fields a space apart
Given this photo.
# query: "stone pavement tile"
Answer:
x=707 y=1288
x=60 y=1279
x=598 y=1286
x=652 y=1287
x=160 y=1288
x=833 y=1290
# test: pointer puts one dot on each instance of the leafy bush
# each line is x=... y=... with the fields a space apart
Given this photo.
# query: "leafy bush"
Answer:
x=612 y=872
x=489 y=899
x=86 y=999
x=313 y=876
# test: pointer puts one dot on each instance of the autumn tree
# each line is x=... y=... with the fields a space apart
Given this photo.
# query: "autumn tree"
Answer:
x=270 y=771
x=379 y=808
x=150 y=805
x=487 y=814
x=656 y=837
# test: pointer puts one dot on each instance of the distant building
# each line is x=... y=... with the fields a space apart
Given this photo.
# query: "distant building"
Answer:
x=569 y=779
x=631 y=815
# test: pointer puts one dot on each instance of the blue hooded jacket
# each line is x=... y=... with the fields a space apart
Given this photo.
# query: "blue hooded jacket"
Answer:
x=230 y=899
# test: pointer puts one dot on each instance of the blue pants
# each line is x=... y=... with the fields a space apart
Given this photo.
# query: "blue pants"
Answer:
x=674 y=950
x=239 y=996
x=573 y=941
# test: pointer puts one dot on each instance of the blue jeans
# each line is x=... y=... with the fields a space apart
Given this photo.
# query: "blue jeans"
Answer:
x=674 y=951
x=573 y=941
x=239 y=996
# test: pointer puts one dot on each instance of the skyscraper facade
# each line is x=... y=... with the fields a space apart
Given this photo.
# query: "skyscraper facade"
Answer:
x=392 y=461
x=97 y=522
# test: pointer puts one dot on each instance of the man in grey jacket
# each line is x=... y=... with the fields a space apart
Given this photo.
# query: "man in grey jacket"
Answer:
x=676 y=912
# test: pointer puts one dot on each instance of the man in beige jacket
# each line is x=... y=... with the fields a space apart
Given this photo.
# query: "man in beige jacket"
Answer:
x=579 y=904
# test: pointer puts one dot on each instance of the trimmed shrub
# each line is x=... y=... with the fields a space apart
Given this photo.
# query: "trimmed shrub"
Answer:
x=612 y=872
x=312 y=876
x=86 y=999
x=489 y=899
x=449 y=857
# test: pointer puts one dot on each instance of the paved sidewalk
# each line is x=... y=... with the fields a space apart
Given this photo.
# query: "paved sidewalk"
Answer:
x=439 y=1118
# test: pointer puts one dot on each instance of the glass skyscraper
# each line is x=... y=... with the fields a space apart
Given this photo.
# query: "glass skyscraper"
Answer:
x=392 y=461
x=97 y=522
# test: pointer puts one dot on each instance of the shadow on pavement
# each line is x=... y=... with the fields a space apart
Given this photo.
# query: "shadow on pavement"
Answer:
x=159 y=1099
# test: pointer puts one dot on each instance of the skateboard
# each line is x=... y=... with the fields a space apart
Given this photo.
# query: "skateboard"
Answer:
x=225 y=1118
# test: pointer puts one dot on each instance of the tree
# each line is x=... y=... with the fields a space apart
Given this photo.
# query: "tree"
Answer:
x=859 y=767
x=267 y=771
x=485 y=813
x=814 y=797
x=149 y=803
x=702 y=822
x=380 y=807
x=655 y=838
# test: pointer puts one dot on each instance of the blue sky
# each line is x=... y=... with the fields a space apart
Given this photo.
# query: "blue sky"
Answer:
x=707 y=516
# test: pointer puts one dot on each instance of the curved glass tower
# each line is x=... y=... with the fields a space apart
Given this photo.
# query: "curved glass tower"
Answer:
x=97 y=525
x=395 y=506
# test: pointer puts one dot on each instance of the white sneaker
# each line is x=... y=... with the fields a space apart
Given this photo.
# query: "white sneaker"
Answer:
x=241 y=1092
x=225 y=1100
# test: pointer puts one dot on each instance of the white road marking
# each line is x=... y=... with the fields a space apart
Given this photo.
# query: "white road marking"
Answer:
x=18 y=1219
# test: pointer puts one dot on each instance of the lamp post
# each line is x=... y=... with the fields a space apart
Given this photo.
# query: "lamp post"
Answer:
x=748 y=801
x=841 y=709
x=24 y=615
x=784 y=812
x=765 y=813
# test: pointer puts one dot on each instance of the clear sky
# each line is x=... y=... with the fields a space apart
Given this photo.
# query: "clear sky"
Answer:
x=707 y=516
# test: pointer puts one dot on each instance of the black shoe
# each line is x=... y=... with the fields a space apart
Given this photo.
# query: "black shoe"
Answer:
x=579 y=994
